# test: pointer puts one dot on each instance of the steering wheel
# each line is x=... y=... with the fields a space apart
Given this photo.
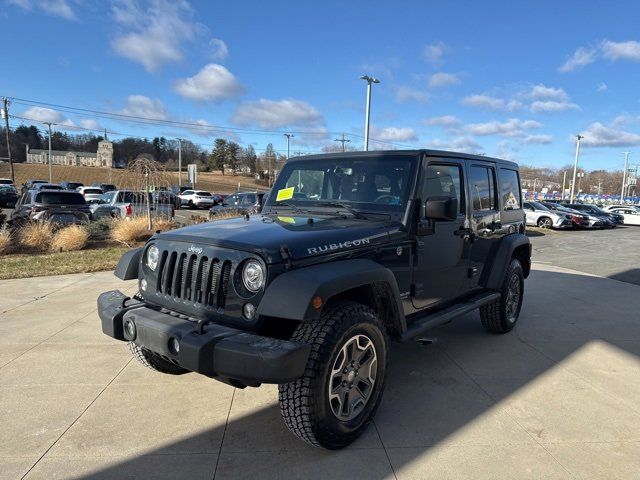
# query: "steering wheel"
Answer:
x=390 y=197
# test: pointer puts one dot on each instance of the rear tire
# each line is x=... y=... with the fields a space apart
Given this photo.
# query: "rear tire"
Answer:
x=154 y=361
x=501 y=315
x=337 y=396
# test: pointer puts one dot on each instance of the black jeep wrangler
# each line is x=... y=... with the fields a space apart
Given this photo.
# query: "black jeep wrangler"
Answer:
x=351 y=250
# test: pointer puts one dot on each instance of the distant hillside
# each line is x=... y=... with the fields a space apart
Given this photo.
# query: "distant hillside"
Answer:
x=213 y=182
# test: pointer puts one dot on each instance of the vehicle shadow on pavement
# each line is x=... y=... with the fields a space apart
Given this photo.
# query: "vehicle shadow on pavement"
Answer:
x=462 y=399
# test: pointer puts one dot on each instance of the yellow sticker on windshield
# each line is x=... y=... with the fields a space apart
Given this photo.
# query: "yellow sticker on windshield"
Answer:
x=285 y=194
x=287 y=219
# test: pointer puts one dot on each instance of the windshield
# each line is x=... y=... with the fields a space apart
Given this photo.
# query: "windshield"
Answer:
x=60 y=198
x=7 y=189
x=539 y=206
x=381 y=183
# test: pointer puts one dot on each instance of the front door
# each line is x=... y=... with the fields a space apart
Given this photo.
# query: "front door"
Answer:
x=485 y=216
x=441 y=264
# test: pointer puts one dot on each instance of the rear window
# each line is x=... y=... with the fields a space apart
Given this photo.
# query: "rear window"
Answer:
x=132 y=197
x=510 y=189
x=60 y=198
x=92 y=191
x=203 y=194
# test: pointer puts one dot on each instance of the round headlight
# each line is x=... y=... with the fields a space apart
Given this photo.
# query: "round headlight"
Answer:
x=253 y=275
x=152 y=257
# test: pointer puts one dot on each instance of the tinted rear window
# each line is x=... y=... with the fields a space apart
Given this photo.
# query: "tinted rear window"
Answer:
x=60 y=198
x=92 y=191
x=203 y=194
x=132 y=197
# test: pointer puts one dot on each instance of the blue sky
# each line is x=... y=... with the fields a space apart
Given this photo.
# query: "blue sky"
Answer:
x=513 y=79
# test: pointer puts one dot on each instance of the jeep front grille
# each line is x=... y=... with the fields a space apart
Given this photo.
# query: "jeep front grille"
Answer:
x=192 y=278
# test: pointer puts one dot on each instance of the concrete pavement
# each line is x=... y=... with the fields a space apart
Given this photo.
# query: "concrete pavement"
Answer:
x=557 y=398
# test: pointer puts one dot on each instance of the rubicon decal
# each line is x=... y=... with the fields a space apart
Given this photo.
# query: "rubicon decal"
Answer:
x=339 y=246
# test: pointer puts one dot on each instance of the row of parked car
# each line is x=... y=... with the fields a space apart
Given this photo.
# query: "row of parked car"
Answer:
x=563 y=215
x=73 y=203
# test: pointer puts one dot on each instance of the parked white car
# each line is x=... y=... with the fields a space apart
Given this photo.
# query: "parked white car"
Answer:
x=611 y=208
x=543 y=217
x=91 y=194
x=631 y=214
x=196 y=198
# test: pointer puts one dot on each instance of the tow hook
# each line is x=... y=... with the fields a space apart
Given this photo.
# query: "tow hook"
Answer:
x=200 y=325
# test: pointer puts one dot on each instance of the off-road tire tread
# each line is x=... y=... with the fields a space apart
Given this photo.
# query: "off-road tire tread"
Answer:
x=492 y=315
x=297 y=400
x=154 y=361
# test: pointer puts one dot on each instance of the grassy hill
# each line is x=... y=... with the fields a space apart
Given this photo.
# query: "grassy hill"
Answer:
x=213 y=182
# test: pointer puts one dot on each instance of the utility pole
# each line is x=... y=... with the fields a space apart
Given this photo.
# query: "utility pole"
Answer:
x=564 y=179
x=50 y=173
x=289 y=137
x=624 y=174
x=5 y=114
x=342 y=140
x=575 y=167
x=369 y=81
x=179 y=163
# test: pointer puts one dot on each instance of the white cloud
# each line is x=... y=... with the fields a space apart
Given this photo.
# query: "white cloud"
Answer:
x=552 y=106
x=446 y=121
x=145 y=107
x=277 y=113
x=220 y=50
x=491 y=103
x=580 y=59
x=90 y=124
x=602 y=87
x=434 y=52
x=538 y=139
x=458 y=144
x=443 y=79
x=156 y=33
x=542 y=92
x=394 y=134
x=510 y=128
x=56 y=8
x=213 y=83
x=48 y=115
x=629 y=50
x=408 y=95
x=599 y=135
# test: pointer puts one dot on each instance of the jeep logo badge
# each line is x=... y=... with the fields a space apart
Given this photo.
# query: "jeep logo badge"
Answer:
x=196 y=250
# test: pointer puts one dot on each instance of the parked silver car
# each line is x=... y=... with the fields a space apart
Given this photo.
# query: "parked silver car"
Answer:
x=541 y=216
x=129 y=203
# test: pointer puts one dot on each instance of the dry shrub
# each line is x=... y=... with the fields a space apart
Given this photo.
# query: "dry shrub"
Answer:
x=130 y=230
x=164 y=224
x=5 y=241
x=196 y=219
x=67 y=239
x=36 y=235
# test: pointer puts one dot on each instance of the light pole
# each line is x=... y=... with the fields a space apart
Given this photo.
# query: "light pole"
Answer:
x=369 y=81
x=575 y=167
x=342 y=140
x=624 y=174
x=289 y=137
x=179 y=163
x=50 y=174
x=564 y=179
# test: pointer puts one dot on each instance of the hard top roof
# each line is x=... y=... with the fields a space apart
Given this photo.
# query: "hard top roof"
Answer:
x=395 y=153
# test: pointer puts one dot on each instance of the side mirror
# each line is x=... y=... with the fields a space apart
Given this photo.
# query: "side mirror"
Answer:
x=441 y=208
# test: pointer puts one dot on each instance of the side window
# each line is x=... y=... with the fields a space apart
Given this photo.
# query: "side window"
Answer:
x=510 y=189
x=482 y=186
x=443 y=180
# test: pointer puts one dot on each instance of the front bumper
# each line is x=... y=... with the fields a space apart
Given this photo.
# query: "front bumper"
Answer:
x=226 y=353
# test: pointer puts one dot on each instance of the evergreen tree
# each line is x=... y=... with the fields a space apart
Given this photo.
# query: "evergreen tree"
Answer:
x=251 y=159
x=219 y=155
x=233 y=156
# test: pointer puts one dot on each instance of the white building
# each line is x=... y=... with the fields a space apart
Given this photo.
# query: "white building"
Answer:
x=102 y=158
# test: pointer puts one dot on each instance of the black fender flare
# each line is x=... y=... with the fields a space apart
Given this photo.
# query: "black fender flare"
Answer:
x=290 y=294
x=501 y=258
x=127 y=268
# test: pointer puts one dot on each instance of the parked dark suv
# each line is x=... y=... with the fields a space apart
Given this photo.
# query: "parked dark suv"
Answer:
x=351 y=250
x=58 y=206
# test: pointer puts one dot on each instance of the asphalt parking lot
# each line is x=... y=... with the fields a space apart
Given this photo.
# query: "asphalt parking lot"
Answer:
x=559 y=397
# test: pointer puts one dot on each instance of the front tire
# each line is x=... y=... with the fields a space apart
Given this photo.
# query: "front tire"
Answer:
x=501 y=315
x=154 y=361
x=545 y=222
x=337 y=396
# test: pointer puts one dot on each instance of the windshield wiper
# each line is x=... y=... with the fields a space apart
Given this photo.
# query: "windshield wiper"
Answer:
x=352 y=211
x=295 y=208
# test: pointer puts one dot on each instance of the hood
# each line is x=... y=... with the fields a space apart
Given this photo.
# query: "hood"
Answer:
x=304 y=236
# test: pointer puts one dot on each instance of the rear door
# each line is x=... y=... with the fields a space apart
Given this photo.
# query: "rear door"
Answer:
x=442 y=254
x=486 y=227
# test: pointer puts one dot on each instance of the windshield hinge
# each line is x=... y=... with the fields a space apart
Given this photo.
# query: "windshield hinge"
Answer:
x=285 y=253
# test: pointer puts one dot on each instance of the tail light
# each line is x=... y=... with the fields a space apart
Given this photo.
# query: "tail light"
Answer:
x=128 y=210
